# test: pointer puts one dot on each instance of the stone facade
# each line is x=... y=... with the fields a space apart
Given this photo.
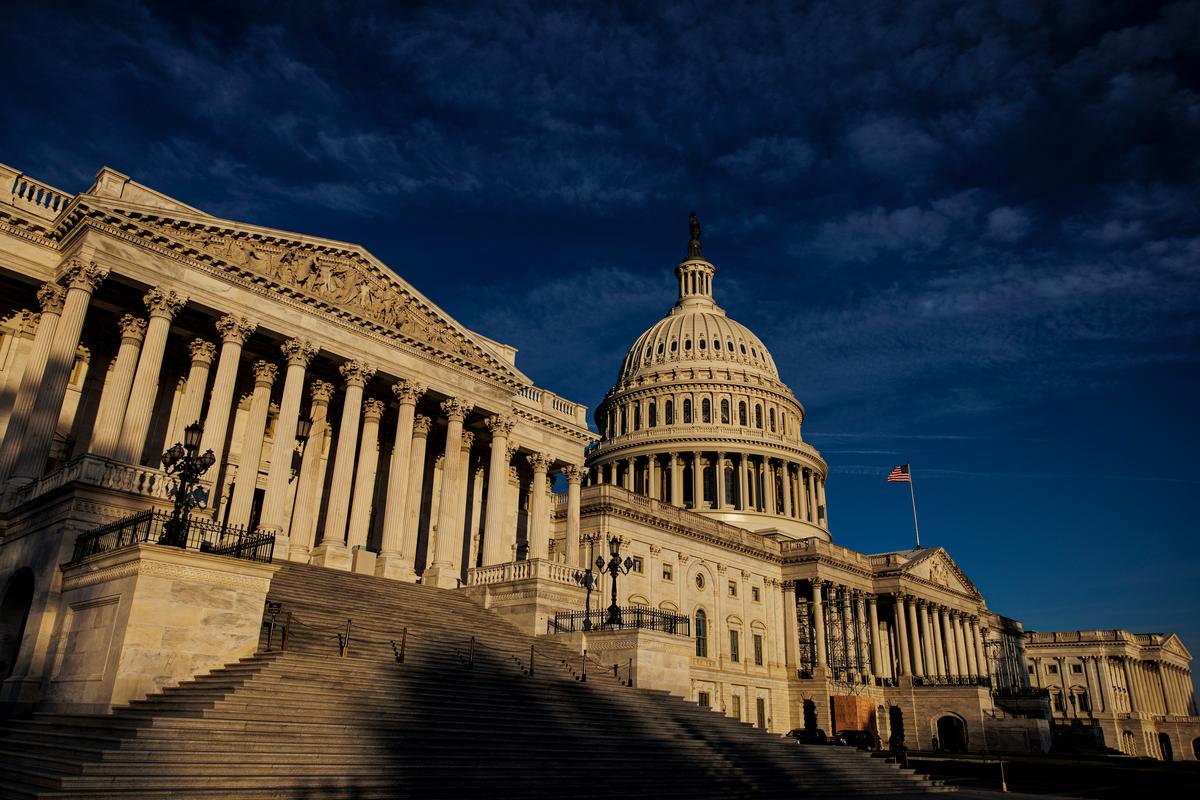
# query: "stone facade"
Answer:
x=127 y=315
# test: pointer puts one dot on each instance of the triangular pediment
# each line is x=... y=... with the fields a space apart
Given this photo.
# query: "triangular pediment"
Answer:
x=1173 y=644
x=937 y=567
x=339 y=277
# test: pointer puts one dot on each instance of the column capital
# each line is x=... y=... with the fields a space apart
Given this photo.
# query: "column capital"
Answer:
x=500 y=424
x=790 y=586
x=235 y=329
x=202 y=350
x=455 y=408
x=320 y=391
x=85 y=275
x=132 y=328
x=372 y=409
x=421 y=425
x=407 y=391
x=356 y=373
x=265 y=373
x=574 y=473
x=468 y=440
x=510 y=451
x=539 y=461
x=51 y=298
x=163 y=303
x=298 y=352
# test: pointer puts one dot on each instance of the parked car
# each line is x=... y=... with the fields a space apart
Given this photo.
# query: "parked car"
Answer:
x=805 y=736
x=863 y=740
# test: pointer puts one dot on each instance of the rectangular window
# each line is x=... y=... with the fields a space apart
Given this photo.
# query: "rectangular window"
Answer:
x=1030 y=668
x=761 y=707
x=756 y=594
x=734 y=655
x=1077 y=669
x=637 y=564
x=758 y=649
x=703 y=699
x=733 y=588
x=736 y=706
x=668 y=575
x=1052 y=669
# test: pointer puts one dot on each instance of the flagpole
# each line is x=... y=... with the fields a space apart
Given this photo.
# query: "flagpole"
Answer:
x=913 y=494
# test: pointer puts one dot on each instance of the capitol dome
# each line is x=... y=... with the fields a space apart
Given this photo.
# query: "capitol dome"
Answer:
x=700 y=419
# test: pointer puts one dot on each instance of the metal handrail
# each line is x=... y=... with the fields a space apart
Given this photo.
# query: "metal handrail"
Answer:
x=188 y=533
x=632 y=617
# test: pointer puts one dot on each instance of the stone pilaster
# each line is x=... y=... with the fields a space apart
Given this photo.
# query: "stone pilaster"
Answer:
x=275 y=512
x=308 y=485
x=391 y=562
x=332 y=551
x=115 y=397
x=256 y=422
x=163 y=305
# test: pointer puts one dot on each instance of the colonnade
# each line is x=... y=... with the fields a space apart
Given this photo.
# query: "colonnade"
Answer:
x=721 y=481
x=290 y=504
x=842 y=632
x=1120 y=684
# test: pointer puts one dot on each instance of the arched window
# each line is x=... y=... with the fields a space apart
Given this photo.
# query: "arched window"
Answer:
x=637 y=417
x=742 y=413
x=743 y=349
x=660 y=348
x=703 y=344
x=687 y=344
x=624 y=421
x=757 y=415
x=716 y=344
x=701 y=634
x=783 y=422
x=652 y=413
x=771 y=416
x=674 y=345
x=687 y=411
x=724 y=410
x=669 y=412
x=730 y=344
x=706 y=411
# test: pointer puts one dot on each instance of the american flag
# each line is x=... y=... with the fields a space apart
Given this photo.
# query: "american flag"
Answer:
x=899 y=474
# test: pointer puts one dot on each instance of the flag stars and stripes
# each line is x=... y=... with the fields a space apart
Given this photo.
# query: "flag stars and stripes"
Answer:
x=900 y=474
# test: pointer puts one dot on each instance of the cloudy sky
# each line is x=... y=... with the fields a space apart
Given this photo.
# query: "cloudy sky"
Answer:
x=968 y=231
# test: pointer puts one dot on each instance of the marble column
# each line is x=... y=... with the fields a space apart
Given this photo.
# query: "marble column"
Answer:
x=83 y=278
x=741 y=470
x=769 y=482
x=441 y=571
x=676 y=480
x=192 y=403
x=937 y=623
x=308 y=486
x=964 y=652
x=968 y=635
x=980 y=655
x=234 y=333
x=539 y=535
x=873 y=621
x=792 y=653
x=25 y=325
x=275 y=511
x=495 y=543
x=902 y=634
x=256 y=421
x=822 y=505
x=819 y=625
x=697 y=481
x=413 y=495
x=812 y=498
x=574 y=475
x=786 y=488
x=115 y=396
x=359 y=528
x=51 y=296
x=928 y=665
x=332 y=551
x=163 y=306
x=392 y=563
x=463 y=476
x=719 y=481
x=628 y=483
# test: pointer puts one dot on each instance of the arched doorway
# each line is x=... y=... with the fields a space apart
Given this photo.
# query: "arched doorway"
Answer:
x=14 y=612
x=1164 y=744
x=952 y=734
x=896 y=726
x=810 y=715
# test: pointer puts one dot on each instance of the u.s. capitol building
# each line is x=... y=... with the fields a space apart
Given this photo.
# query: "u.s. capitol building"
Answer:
x=356 y=426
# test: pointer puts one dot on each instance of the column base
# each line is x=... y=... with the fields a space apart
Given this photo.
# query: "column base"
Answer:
x=363 y=561
x=395 y=566
x=300 y=553
x=334 y=555
x=443 y=576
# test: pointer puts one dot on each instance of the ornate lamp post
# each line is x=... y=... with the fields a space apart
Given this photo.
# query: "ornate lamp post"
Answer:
x=614 y=567
x=182 y=462
x=587 y=579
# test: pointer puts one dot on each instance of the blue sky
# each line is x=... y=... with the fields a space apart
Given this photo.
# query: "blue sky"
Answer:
x=968 y=231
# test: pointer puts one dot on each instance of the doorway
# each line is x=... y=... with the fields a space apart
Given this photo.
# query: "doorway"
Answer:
x=14 y=613
x=952 y=734
x=1164 y=744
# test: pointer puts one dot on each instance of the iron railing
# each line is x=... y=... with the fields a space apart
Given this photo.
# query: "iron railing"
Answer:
x=959 y=680
x=159 y=527
x=632 y=617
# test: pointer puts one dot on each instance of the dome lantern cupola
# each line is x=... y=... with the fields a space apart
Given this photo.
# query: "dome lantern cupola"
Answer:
x=700 y=419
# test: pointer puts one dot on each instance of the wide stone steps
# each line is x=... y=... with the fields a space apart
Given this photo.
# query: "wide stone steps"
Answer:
x=307 y=723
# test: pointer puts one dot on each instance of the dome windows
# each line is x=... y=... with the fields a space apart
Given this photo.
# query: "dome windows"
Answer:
x=724 y=410
x=716 y=344
x=743 y=349
x=674 y=345
x=742 y=413
x=703 y=344
x=652 y=414
x=687 y=345
x=687 y=412
x=706 y=411
x=771 y=417
x=730 y=344
x=758 y=416
x=669 y=412
x=660 y=348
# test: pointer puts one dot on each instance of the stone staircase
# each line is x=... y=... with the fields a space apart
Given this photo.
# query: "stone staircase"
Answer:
x=464 y=715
